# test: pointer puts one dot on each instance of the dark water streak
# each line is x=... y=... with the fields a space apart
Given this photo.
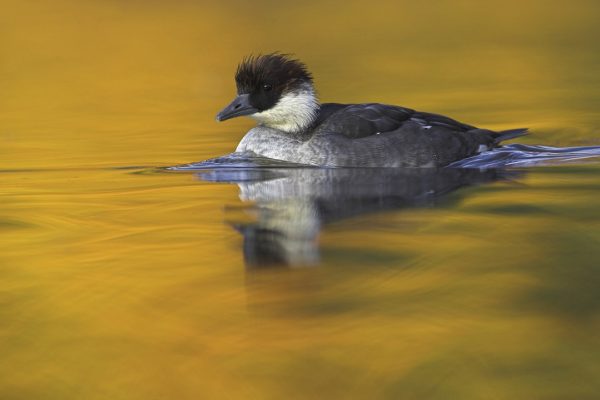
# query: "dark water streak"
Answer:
x=520 y=155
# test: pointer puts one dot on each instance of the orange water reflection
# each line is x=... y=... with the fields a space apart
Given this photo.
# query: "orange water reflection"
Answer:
x=127 y=283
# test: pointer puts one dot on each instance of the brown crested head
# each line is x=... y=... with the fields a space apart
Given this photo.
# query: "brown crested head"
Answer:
x=266 y=77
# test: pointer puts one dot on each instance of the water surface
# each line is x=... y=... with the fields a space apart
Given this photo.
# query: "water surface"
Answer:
x=122 y=280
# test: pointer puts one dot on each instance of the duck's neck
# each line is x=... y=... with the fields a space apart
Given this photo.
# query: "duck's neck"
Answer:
x=294 y=112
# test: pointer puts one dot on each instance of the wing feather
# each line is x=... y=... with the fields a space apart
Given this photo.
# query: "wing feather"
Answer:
x=361 y=120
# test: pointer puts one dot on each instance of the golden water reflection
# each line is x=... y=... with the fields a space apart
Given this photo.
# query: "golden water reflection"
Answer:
x=123 y=282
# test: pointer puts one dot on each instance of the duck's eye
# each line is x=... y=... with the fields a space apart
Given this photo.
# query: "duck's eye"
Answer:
x=267 y=87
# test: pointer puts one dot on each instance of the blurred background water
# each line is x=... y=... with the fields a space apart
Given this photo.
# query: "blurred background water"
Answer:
x=123 y=281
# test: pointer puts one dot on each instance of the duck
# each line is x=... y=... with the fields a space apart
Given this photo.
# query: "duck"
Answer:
x=277 y=91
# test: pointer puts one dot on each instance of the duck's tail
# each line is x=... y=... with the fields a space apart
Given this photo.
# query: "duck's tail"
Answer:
x=509 y=134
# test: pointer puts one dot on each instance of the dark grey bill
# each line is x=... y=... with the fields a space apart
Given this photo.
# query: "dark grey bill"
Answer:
x=238 y=107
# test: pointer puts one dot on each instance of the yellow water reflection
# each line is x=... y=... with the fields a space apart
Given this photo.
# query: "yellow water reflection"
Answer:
x=110 y=77
x=126 y=283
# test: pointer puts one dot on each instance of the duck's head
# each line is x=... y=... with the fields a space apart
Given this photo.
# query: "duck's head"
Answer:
x=275 y=90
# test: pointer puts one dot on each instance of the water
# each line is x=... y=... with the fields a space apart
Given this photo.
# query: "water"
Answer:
x=124 y=280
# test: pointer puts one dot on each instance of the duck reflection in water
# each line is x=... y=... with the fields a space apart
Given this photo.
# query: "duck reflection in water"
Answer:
x=292 y=205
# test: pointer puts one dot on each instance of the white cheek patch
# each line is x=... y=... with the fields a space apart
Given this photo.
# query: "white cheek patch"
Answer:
x=293 y=112
x=482 y=148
